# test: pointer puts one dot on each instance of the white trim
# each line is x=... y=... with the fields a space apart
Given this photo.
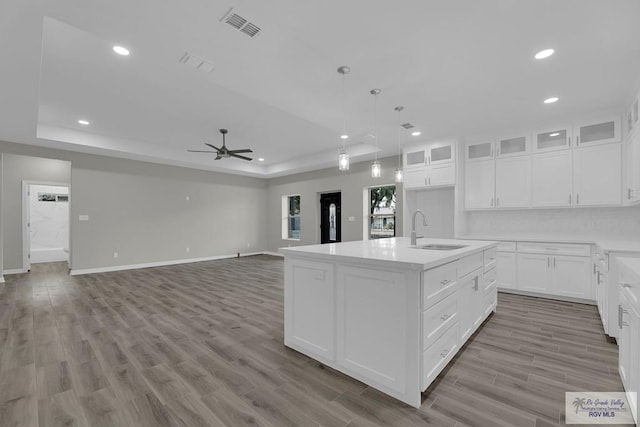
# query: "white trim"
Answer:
x=155 y=264
x=1 y=279
x=273 y=254
x=547 y=296
x=15 y=271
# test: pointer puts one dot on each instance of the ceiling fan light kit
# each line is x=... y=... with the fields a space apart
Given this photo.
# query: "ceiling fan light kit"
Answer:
x=224 y=152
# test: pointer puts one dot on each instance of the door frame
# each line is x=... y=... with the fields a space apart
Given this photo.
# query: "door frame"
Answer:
x=26 y=219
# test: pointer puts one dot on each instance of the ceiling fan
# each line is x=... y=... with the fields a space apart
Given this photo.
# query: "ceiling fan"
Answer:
x=224 y=152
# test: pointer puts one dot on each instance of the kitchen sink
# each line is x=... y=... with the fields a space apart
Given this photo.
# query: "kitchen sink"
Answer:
x=439 y=247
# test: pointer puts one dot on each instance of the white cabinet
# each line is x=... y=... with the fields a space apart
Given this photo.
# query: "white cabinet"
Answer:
x=631 y=193
x=562 y=270
x=553 y=139
x=632 y=117
x=441 y=152
x=552 y=176
x=479 y=150
x=513 y=146
x=470 y=297
x=513 y=182
x=479 y=184
x=597 y=177
x=430 y=165
x=507 y=271
x=596 y=132
x=629 y=330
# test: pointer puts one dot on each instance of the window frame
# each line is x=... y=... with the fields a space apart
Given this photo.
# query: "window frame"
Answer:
x=287 y=217
x=371 y=216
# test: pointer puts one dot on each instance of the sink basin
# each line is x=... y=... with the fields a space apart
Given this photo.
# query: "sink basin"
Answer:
x=439 y=247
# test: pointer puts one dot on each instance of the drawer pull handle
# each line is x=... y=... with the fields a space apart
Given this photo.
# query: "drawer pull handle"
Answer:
x=445 y=317
x=625 y=285
x=444 y=353
x=445 y=282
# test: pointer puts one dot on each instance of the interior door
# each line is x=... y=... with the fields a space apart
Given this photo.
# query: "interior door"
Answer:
x=330 y=224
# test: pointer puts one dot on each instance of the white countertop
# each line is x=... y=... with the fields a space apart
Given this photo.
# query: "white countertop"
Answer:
x=607 y=244
x=393 y=252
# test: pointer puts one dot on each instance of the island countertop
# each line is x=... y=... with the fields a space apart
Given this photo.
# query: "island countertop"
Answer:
x=395 y=251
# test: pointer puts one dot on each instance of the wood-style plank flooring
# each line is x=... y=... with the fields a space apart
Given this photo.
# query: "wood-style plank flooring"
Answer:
x=201 y=345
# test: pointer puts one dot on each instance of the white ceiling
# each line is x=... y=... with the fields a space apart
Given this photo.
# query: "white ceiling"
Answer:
x=458 y=67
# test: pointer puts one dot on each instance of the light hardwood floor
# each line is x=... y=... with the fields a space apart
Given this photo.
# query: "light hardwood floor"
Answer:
x=201 y=345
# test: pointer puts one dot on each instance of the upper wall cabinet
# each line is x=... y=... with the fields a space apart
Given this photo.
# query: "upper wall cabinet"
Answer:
x=441 y=152
x=513 y=146
x=597 y=132
x=632 y=117
x=553 y=139
x=597 y=175
x=415 y=157
x=480 y=150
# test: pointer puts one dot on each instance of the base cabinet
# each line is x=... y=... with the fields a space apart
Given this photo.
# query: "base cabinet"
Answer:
x=629 y=331
x=507 y=270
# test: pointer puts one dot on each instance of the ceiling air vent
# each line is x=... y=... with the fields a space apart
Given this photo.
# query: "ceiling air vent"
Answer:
x=240 y=23
x=407 y=125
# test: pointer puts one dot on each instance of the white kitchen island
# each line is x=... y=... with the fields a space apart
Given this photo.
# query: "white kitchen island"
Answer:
x=383 y=312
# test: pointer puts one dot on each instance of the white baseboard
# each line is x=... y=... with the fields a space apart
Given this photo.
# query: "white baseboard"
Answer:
x=274 y=254
x=547 y=296
x=155 y=264
x=15 y=271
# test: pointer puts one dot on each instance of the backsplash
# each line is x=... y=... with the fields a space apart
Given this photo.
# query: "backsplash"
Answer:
x=618 y=223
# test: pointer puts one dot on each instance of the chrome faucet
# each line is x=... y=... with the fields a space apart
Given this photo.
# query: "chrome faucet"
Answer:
x=413 y=229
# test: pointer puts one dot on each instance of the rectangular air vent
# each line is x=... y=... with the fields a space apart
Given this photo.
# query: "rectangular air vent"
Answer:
x=240 y=23
x=407 y=125
x=196 y=62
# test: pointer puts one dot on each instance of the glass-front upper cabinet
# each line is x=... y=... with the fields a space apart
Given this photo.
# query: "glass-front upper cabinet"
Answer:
x=632 y=117
x=597 y=132
x=513 y=146
x=479 y=150
x=441 y=152
x=415 y=157
x=558 y=138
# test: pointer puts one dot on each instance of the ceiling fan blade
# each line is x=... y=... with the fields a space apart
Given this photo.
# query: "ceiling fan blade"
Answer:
x=212 y=146
x=200 y=151
x=240 y=157
x=244 y=150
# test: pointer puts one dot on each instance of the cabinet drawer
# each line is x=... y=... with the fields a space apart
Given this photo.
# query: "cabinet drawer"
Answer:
x=437 y=283
x=490 y=257
x=506 y=246
x=630 y=287
x=554 y=248
x=436 y=357
x=490 y=278
x=437 y=319
x=467 y=264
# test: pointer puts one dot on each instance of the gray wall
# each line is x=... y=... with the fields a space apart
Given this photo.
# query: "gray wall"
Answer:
x=140 y=210
x=310 y=185
x=17 y=169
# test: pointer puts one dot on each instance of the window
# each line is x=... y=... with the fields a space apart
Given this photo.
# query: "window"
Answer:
x=382 y=212
x=291 y=217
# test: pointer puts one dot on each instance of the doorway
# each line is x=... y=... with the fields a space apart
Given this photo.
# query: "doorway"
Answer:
x=330 y=224
x=45 y=223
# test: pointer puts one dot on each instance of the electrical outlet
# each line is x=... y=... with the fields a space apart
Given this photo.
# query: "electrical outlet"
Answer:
x=188 y=249
x=187 y=198
x=248 y=245
x=115 y=254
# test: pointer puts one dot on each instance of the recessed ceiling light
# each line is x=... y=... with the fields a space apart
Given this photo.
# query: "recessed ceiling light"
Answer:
x=121 y=50
x=555 y=134
x=260 y=159
x=551 y=100
x=84 y=122
x=416 y=133
x=544 y=53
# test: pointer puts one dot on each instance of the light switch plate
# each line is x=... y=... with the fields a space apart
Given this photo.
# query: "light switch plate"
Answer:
x=352 y=218
x=83 y=217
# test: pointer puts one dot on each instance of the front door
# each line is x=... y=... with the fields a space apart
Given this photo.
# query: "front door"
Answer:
x=330 y=227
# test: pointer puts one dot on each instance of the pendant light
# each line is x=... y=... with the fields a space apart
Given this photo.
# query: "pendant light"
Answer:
x=376 y=168
x=399 y=173
x=343 y=157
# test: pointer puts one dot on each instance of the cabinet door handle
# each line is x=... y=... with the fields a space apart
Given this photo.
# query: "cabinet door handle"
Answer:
x=625 y=285
x=492 y=201
x=476 y=280
x=619 y=316
x=577 y=141
x=445 y=317
x=594 y=268
x=577 y=199
x=629 y=194
x=569 y=141
x=599 y=282
x=497 y=152
x=548 y=262
x=554 y=262
x=444 y=353
x=569 y=198
x=445 y=282
x=429 y=180
x=491 y=153
x=498 y=201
